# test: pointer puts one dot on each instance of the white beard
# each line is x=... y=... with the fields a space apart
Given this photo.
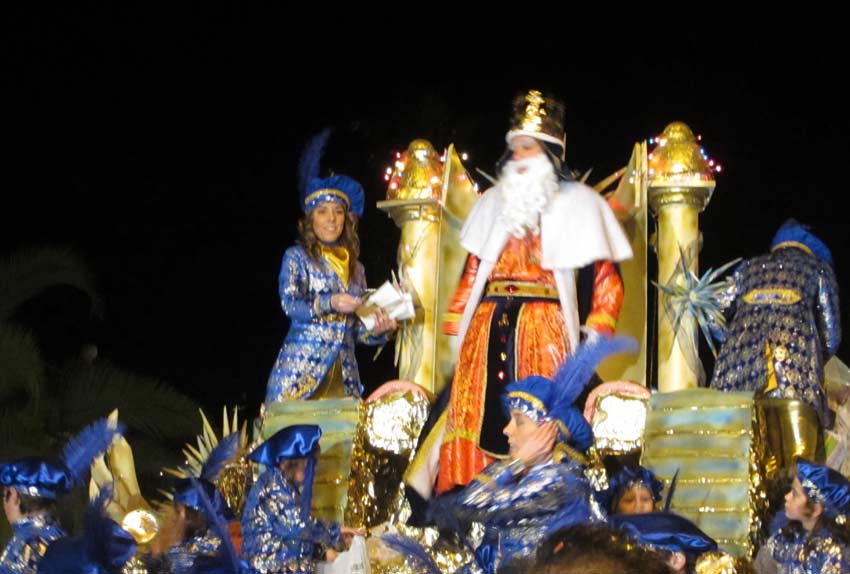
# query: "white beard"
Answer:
x=526 y=194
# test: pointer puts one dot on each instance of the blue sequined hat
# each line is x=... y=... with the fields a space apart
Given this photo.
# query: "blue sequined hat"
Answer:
x=826 y=486
x=794 y=234
x=187 y=493
x=541 y=399
x=296 y=441
x=623 y=480
x=315 y=190
x=665 y=531
x=40 y=477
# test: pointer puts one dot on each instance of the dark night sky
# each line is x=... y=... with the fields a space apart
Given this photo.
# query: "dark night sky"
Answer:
x=163 y=147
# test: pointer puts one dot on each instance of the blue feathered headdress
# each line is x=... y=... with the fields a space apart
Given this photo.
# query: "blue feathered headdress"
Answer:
x=794 y=234
x=412 y=551
x=104 y=548
x=190 y=491
x=541 y=398
x=337 y=188
x=46 y=479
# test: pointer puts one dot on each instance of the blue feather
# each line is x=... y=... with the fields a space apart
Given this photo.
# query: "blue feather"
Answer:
x=104 y=548
x=107 y=544
x=578 y=369
x=413 y=552
x=668 y=501
x=222 y=454
x=227 y=556
x=311 y=157
x=91 y=442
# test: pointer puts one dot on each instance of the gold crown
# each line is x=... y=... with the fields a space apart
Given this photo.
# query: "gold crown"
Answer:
x=538 y=116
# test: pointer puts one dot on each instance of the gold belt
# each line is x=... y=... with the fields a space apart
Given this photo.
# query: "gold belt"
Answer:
x=521 y=289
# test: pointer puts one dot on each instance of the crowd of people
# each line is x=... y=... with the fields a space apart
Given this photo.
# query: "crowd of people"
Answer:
x=505 y=446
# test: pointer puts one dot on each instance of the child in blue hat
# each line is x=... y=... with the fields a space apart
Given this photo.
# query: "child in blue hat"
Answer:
x=278 y=532
x=817 y=538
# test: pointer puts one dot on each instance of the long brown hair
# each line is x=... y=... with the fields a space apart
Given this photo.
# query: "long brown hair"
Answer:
x=348 y=239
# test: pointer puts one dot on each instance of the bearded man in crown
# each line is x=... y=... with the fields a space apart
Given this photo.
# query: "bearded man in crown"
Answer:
x=542 y=253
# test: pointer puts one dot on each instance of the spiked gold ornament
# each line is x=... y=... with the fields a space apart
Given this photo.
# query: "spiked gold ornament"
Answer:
x=232 y=479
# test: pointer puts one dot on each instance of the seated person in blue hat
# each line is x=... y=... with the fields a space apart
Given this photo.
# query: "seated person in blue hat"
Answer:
x=195 y=520
x=541 y=487
x=321 y=282
x=817 y=538
x=678 y=541
x=31 y=487
x=278 y=532
x=633 y=489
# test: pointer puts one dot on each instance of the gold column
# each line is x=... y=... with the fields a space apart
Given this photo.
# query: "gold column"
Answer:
x=680 y=187
x=428 y=200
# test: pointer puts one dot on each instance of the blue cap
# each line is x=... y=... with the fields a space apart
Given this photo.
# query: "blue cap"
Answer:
x=40 y=477
x=296 y=441
x=794 y=234
x=623 y=480
x=35 y=477
x=665 y=531
x=186 y=493
x=826 y=486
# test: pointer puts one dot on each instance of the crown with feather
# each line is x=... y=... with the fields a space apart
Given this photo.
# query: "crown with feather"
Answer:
x=44 y=478
x=315 y=190
x=543 y=399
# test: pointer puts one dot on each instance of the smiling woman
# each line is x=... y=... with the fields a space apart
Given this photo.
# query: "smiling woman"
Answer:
x=321 y=280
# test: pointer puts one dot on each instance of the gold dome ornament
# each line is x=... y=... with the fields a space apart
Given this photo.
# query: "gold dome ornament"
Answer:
x=417 y=173
x=678 y=164
x=540 y=117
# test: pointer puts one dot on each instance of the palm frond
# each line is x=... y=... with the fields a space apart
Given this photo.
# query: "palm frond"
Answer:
x=26 y=274
x=146 y=404
x=22 y=377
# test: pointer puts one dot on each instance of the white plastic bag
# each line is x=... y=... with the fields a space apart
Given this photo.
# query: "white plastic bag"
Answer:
x=355 y=560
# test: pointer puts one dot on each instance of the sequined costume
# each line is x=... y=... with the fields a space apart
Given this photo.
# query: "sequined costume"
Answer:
x=513 y=312
x=318 y=336
x=519 y=509
x=180 y=558
x=796 y=552
x=32 y=535
x=275 y=538
x=784 y=325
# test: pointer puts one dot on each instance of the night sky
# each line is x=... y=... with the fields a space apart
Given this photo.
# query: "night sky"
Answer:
x=162 y=147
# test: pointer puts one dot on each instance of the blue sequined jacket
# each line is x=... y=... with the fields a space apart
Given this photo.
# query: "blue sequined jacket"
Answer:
x=275 y=537
x=317 y=335
x=796 y=552
x=784 y=325
x=519 y=510
x=32 y=535
x=180 y=558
